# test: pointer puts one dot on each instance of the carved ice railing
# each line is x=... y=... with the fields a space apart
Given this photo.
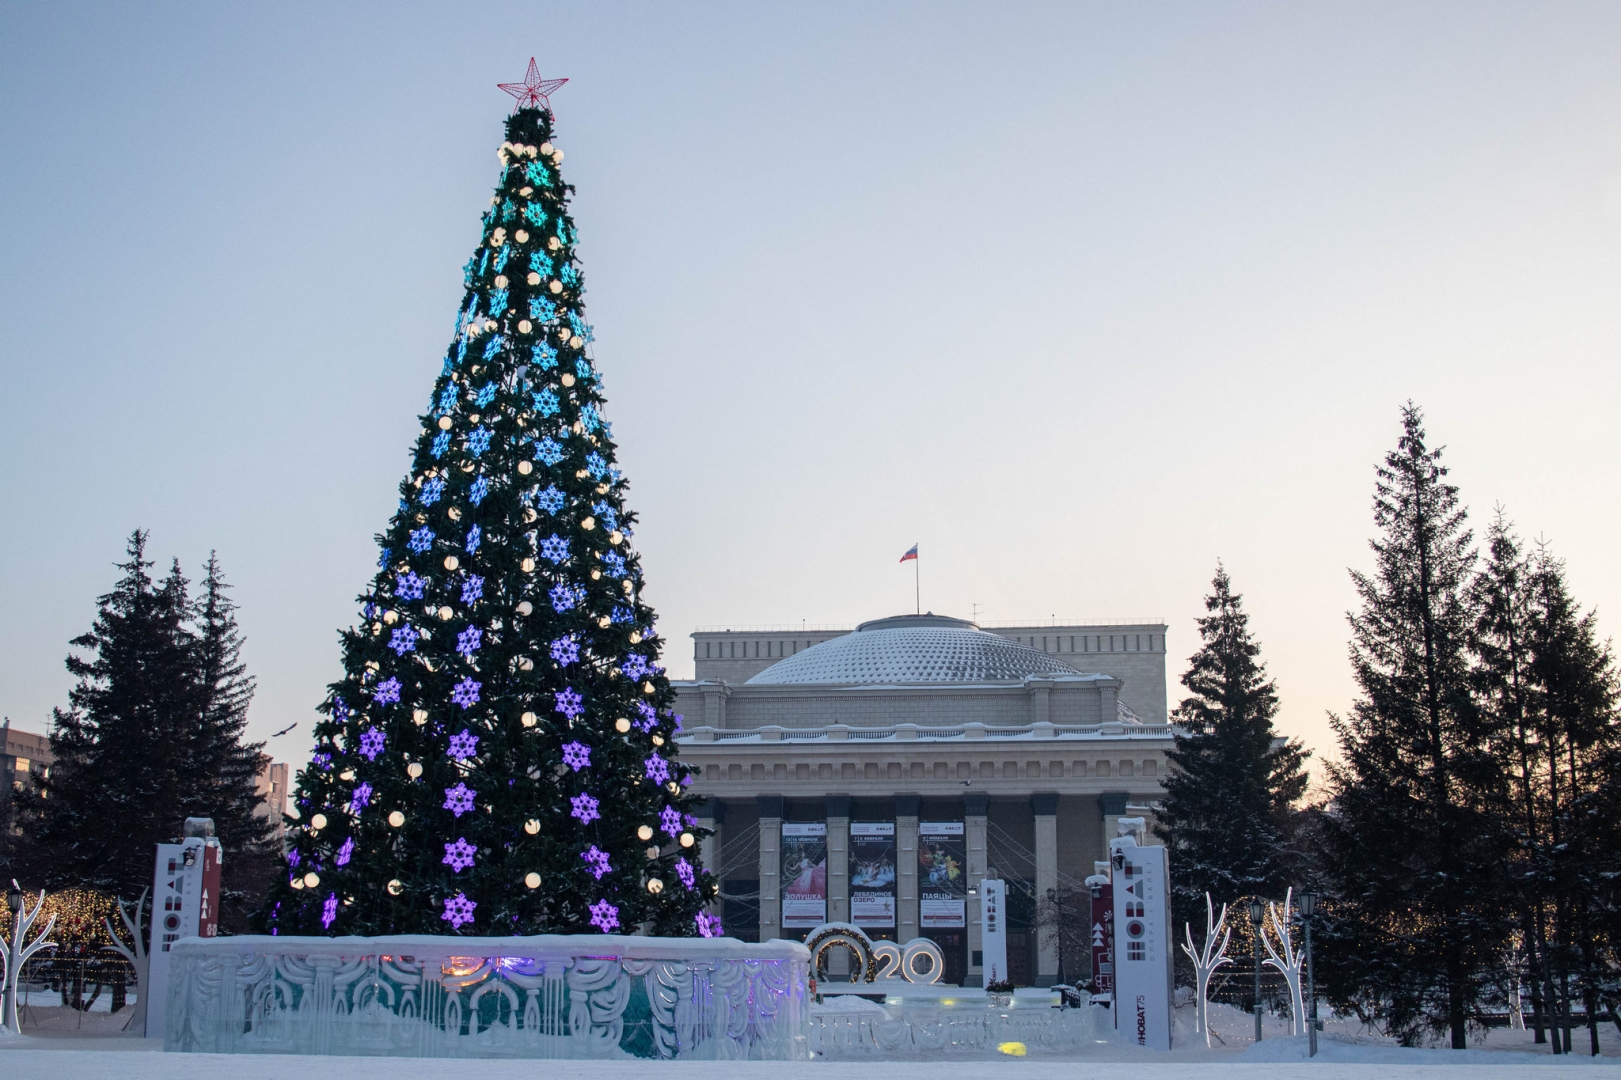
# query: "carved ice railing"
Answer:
x=552 y=996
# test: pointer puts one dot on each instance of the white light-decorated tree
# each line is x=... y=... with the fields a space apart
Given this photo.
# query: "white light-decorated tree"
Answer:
x=499 y=756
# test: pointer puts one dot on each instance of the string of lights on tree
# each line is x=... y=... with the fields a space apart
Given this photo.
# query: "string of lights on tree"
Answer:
x=499 y=756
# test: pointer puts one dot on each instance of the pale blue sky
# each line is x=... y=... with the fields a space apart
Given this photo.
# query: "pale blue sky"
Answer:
x=1082 y=297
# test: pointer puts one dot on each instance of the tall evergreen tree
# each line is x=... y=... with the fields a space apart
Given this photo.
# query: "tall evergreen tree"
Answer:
x=499 y=756
x=1233 y=784
x=1412 y=844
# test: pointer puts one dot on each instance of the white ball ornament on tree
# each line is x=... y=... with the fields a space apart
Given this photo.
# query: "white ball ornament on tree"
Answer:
x=533 y=278
x=622 y=725
x=525 y=468
x=395 y=887
x=556 y=286
x=451 y=562
x=525 y=608
x=530 y=719
x=311 y=880
x=396 y=819
x=414 y=769
x=532 y=826
x=446 y=423
x=501 y=279
x=644 y=833
x=522 y=236
x=532 y=880
x=546 y=148
x=318 y=822
x=568 y=380
x=419 y=716
x=687 y=839
x=655 y=886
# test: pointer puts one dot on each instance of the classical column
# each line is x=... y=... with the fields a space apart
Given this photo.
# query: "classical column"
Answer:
x=712 y=816
x=838 y=874
x=906 y=899
x=975 y=808
x=770 y=866
x=1045 y=806
x=1112 y=804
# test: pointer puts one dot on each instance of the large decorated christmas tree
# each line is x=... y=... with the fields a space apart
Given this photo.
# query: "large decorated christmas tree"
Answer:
x=499 y=756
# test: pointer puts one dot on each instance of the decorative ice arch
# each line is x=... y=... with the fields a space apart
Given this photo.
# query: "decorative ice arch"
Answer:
x=552 y=996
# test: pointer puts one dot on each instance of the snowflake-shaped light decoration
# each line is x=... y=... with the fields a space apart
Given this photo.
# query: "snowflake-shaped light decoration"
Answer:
x=535 y=214
x=458 y=911
x=670 y=820
x=496 y=343
x=563 y=230
x=650 y=717
x=465 y=693
x=459 y=856
x=361 y=797
x=486 y=395
x=340 y=711
x=386 y=691
x=473 y=538
x=421 y=539
x=635 y=665
x=441 y=443
x=541 y=263
x=546 y=403
x=408 y=586
x=537 y=175
x=580 y=327
x=585 y=808
x=432 y=490
x=708 y=925
x=590 y=419
x=542 y=309
x=479 y=491
x=463 y=745
x=403 y=640
x=459 y=799
x=548 y=452
x=562 y=597
x=468 y=641
x=371 y=744
x=566 y=650
x=346 y=852
x=447 y=399
x=498 y=303
x=472 y=589
x=478 y=441
x=555 y=549
x=684 y=871
x=329 y=911
x=292 y=857
x=613 y=564
x=576 y=755
x=582 y=369
x=570 y=275
x=551 y=500
x=569 y=702
x=543 y=356
x=605 y=916
x=604 y=510
x=596 y=465
x=596 y=861
x=622 y=614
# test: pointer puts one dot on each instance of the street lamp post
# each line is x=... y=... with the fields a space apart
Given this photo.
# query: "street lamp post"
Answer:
x=1308 y=908
x=1257 y=913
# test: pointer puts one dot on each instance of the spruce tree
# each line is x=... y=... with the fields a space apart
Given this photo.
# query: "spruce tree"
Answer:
x=1227 y=813
x=499 y=756
x=1411 y=840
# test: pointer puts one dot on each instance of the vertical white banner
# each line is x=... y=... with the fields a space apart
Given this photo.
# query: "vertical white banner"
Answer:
x=993 y=929
x=1142 y=943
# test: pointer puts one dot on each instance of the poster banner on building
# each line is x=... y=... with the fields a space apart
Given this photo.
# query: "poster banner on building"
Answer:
x=993 y=929
x=1102 y=934
x=872 y=873
x=804 y=874
x=942 y=875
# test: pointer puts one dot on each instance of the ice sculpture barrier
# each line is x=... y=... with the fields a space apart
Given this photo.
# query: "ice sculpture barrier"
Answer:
x=552 y=996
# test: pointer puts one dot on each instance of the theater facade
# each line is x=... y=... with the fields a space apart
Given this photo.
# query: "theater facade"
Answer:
x=875 y=775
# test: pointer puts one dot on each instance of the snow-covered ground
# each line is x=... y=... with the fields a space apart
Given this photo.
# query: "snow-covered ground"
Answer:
x=76 y=1046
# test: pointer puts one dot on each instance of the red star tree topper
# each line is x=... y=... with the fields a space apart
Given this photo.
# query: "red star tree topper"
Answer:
x=534 y=92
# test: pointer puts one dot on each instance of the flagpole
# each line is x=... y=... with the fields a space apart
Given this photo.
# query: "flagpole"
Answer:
x=917 y=587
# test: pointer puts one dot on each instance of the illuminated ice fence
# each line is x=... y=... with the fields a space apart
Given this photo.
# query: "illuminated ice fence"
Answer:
x=552 y=996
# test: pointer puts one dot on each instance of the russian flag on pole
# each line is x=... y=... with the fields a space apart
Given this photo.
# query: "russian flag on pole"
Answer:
x=911 y=553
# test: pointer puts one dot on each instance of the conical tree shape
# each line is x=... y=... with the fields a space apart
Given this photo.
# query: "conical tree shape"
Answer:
x=499 y=757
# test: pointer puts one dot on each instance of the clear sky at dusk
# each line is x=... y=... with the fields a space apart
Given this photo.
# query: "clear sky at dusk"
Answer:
x=1080 y=297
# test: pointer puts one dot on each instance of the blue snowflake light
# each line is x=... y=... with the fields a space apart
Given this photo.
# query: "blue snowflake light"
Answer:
x=498 y=303
x=590 y=419
x=551 y=500
x=403 y=640
x=613 y=564
x=555 y=549
x=543 y=356
x=479 y=441
x=421 y=539
x=329 y=911
x=564 y=233
x=569 y=275
x=486 y=395
x=535 y=214
x=501 y=258
x=607 y=514
x=546 y=403
x=580 y=326
x=622 y=614
x=371 y=743
x=582 y=369
x=473 y=538
x=537 y=174
x=447 y=399
x=595 y=465
x=635 y=666
x=562 y=597
x=566 y=650
x=441 y=443
x=494 y=345
x=542 y=309
x=472 y=589
x=548 y=451
x=468 y=641
x=541 y=263
x=386 y=691
x=480 y=489
x=432 y=490
x=708 y=925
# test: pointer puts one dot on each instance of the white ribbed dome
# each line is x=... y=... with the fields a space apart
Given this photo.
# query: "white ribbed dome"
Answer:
x=913 y=649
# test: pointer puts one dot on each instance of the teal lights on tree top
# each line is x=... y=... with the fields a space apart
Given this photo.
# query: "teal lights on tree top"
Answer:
x=499 y=757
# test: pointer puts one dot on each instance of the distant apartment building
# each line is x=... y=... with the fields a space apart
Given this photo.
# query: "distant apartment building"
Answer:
x=271 y=787
x=26 y=758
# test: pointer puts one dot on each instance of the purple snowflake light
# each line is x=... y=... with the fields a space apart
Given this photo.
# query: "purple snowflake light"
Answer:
x=388 y=690
x=292 y=857
x=329 y=911
x=684 y=871
x=473 y=538
x=459 y=856
x=635 y=666
x=459 y=799
x=650 y=717
x=568 y=702
x=421 y=540
x=562 y=597
x=458 y=911
x=403 y=640
x=346 y=852
x=469 y=640
x=554 y=549
x=465 y=693
x=605 y=916
x=472 y=589
x=576 y=755
x=361 y=798
x=670 y=820
x=408 y=586
x=463 y=745
x=658 y=770
x=371 y=744
x=585 y=808
x=596 y=861
x=566 y=650
x=708 y=925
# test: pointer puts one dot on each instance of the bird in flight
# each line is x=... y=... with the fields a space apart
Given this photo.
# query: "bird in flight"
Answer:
x=286 y=729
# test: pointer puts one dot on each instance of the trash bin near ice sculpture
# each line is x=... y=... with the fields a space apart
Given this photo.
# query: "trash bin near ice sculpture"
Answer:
x=552 y=996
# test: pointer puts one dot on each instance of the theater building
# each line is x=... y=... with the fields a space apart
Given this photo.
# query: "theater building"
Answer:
x=876 y=775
